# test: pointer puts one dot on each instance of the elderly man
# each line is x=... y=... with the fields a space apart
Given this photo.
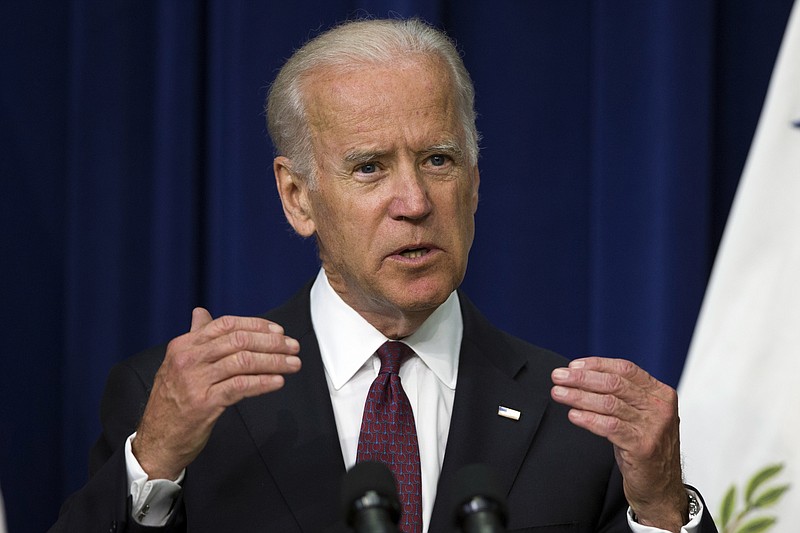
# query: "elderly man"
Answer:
x=249 y=424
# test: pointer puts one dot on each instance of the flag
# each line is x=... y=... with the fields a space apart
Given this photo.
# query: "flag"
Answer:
x=2 y=515
x=740 y=389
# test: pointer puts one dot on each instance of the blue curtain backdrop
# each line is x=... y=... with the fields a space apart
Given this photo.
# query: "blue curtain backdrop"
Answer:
x=136 y=183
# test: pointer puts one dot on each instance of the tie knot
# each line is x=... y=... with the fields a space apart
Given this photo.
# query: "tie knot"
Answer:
x=392 y=354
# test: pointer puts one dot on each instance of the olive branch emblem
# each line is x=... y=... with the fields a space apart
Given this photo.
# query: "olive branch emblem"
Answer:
x=756 y=498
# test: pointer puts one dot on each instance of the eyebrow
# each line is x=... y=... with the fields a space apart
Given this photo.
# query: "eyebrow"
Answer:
x=448 y=147
x=365 y=156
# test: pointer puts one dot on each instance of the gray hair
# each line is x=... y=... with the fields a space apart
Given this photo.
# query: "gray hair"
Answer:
x=353 y=43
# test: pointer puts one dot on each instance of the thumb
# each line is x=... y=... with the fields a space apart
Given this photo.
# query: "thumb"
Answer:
x=200 y=317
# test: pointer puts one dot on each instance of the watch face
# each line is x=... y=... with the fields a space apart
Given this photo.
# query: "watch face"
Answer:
x=694 y=506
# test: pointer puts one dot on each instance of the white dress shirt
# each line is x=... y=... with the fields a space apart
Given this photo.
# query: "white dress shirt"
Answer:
x=348 y=345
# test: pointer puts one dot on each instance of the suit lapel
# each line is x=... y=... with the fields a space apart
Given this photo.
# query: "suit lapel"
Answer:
x=488 y=367
x=295 y=431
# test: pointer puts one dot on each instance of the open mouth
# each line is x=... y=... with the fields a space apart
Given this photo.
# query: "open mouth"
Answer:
x=414 y=253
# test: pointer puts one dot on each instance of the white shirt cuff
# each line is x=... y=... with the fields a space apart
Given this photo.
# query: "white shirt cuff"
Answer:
x=691 y=527
x=152 y=500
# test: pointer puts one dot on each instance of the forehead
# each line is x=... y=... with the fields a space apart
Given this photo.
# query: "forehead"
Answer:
x=411 y=98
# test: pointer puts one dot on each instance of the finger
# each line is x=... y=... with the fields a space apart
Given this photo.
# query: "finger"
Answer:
x=618 y=432
x=607 y=365
x=253 y=363
x=596 y=382
x=630 y=425
x=230 y=391
x=200 y=317
x=227 y=324
x=605 y=404
x=613 y=376
x=632 y=440
x=238 y=341
x=625 y=369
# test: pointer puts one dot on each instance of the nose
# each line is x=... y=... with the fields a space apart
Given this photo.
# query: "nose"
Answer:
x=410 y=197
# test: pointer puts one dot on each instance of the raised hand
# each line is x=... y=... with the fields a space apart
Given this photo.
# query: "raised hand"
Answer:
x=638 y=414
x=214 y=365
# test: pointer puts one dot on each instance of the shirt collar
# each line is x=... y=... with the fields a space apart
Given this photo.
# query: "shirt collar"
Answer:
x=347 y=341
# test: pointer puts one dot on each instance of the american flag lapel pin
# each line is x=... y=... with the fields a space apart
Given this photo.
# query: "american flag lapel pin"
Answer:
x=507 y=412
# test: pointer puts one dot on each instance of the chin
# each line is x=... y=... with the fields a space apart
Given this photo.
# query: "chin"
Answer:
x=413 y=298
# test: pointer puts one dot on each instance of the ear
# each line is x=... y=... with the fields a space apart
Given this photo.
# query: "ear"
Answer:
x=476 y=181
x=293 y=191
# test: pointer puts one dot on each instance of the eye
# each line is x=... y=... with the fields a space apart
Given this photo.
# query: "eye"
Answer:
x=367 y=168
x=438 y=160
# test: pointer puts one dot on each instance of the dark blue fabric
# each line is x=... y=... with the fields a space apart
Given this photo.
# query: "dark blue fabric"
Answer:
x=137 y=183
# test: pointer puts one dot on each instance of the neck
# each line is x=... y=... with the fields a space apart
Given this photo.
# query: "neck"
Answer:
x=398 y=326
x=392 y=321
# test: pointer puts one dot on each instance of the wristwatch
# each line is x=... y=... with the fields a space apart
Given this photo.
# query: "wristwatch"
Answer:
x=694 y=507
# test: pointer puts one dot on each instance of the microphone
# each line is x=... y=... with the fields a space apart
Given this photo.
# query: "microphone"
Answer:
x=480 y=503
x=369 y=499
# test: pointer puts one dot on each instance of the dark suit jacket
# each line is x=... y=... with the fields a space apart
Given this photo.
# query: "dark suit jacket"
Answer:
x=274 y=464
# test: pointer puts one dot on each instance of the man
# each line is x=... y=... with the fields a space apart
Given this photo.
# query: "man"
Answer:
x=248 y=424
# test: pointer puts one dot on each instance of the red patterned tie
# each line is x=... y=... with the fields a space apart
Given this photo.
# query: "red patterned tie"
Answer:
x=389 y=435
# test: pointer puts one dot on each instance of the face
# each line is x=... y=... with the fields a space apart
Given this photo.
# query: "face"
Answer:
x=394 y=203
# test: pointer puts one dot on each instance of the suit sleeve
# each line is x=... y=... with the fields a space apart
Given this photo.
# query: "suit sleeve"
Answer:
x=707 y=524
x=102 y=505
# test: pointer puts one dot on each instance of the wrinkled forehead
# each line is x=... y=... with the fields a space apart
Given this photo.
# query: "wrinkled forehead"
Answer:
x=368 y=82
x=375 y=92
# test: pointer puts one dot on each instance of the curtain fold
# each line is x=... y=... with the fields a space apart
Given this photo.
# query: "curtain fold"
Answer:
x=651 y=125
x=137 y=183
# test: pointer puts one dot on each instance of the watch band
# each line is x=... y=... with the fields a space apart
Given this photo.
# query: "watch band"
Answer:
x=694 y=507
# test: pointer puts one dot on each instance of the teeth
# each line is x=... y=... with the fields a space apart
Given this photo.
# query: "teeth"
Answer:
x=413 y=254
